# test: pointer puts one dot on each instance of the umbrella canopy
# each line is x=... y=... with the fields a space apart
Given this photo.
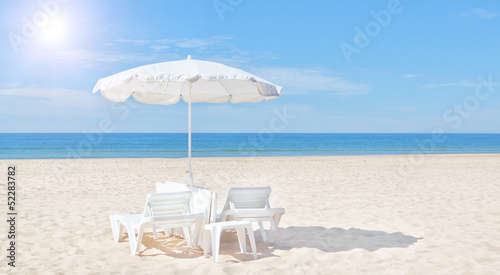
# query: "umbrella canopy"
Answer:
x=192 y=80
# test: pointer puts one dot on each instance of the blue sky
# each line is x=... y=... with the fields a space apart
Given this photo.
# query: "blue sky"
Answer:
x=346 y=66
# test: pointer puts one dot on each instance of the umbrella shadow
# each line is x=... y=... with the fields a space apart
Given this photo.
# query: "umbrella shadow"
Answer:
x=328 y=240
x=335 y=239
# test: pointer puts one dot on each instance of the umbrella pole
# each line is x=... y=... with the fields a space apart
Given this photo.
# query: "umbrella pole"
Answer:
x=189 y=140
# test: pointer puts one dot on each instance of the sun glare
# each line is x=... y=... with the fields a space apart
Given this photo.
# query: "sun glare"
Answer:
x=54 y=33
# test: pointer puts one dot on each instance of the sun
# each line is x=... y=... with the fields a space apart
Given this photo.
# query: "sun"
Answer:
x=54 y=33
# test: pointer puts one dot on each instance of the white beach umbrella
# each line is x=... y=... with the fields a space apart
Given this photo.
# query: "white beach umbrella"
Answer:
x=192 y=80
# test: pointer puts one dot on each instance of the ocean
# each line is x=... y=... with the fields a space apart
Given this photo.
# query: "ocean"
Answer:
x=163 y=145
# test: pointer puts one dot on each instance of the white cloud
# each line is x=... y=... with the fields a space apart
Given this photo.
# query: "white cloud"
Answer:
x=481 y=13
x=36 y=102
x=411 y=75
x=185 y=43
x=197 y=42
x=153 y=50
x=251 y=117
x=403 y=108
x=44 y=93
x=159 y=47
x=484 y=13
x=304 y=80
x=92 y=59
x=8 y=84
x=462 y=83
x=136 y=41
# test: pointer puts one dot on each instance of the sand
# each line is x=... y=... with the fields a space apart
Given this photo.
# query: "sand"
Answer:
x=427 y=214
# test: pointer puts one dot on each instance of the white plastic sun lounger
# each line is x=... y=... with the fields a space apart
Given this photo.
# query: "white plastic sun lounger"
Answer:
x=252 y=204
x=162 y=210
x=203 y=200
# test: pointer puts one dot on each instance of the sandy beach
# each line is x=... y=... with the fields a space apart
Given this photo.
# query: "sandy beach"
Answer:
x=432 y=214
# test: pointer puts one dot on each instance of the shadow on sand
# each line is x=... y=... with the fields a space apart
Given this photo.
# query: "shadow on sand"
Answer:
x=338 y=239
x=333 y=239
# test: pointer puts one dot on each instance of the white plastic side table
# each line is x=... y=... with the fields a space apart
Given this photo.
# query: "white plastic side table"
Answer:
x=214 y=230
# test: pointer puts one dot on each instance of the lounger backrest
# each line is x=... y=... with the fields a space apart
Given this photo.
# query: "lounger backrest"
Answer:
x=247 y=197
x=164 y=204
x=203 y=200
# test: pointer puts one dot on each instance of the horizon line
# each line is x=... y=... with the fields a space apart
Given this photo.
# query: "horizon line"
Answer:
x=382 y=133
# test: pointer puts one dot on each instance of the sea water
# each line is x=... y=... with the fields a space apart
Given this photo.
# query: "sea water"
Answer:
x=171 y=145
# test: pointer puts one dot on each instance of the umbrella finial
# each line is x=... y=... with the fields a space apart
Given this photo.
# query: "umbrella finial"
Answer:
x=189 y=57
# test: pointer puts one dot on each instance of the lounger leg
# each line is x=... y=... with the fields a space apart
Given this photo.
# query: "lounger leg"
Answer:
x=198 y=231
x=187 y=236
x=275 y=222
x=139 y=241
x=272 y=229
x=154 y=232
x=206 y=242
x=242 y=239
x=252 y=241
x=131 y=238
x=116 y=228
x=120 y=232
x=215 y=243
x=263 y=231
